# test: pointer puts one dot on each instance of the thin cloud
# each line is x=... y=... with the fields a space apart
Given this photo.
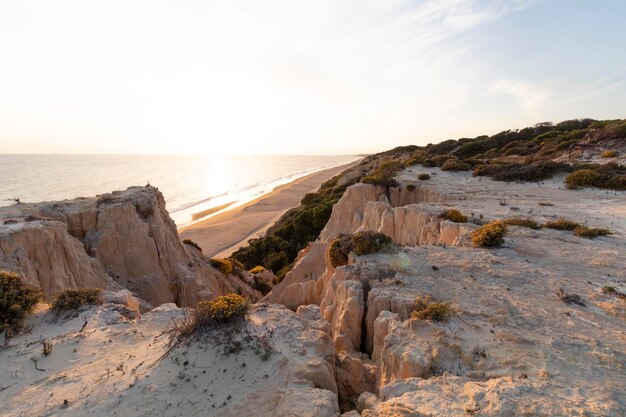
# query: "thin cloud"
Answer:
x=530 y=96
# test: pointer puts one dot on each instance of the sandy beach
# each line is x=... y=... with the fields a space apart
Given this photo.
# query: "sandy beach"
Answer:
x=224 y=233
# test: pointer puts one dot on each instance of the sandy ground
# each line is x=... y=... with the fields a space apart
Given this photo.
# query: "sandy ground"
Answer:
x=224 y=233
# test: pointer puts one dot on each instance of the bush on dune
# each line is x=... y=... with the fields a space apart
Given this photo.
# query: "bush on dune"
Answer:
x=225 y=310
x=591 y=232
x=425 y=308
x=522 y=222
x=384 y=174
x=453 y=165
x=257 y=270
x=490 y=235
x=562 y=224
x=223 y=265
x=453 y=215
x=74 y=299
x=192 y=244
x=16 y=301
x=360 y=243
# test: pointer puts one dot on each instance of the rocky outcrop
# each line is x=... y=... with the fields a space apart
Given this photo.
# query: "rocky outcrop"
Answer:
x=408 y=214
x=273 y=364
x=123 y=239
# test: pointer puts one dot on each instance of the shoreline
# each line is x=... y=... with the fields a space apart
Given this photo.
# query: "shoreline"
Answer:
x=222 y=234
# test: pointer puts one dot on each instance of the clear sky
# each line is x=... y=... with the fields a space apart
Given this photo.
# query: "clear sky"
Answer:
x=298 y=76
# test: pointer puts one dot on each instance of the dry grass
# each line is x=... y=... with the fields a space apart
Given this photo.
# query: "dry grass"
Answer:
x=74 y=299
x=522 y=222
x=227 y=309
x=425 y=308
x=562 y=224
x=591 y=232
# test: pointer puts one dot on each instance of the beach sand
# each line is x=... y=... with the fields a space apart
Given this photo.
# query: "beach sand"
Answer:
x=222 y=234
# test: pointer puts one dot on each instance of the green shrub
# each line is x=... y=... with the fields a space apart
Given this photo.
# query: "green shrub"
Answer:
x=223 y=265
x=192 y=244
x=582 y=178
x=16 y=301
x=453 y=215
x=562 y=224
x=339 y=249
x=361 y=243
x=609 y=176
x=261 y=286
x=590 y=232
x=368 y=242
x=522 y=222
x=423 y=177
x=608 y=289
x=276 y=261
x=453 y=165
x=257 y=270
x=74 y=299
x=384 y=174
x=425 y=308
x=490 y=235
x=608 y=154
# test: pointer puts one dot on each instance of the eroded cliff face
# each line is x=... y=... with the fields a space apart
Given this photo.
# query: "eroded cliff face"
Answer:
x=512 y=346
x=408 y=214
x=123 y=239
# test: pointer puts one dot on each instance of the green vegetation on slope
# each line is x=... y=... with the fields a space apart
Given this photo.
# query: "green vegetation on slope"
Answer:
x=295 y=229
x=531 y=154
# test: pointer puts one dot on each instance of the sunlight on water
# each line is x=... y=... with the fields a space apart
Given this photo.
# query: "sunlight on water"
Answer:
x=190 y=184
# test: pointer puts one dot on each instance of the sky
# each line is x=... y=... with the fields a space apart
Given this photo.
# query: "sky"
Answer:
x=299 y=77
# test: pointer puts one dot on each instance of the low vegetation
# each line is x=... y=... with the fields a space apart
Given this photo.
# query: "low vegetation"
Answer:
x=609 y=176
x=513 y=155
x=385 y=174
x=227 y=309
x=453 y=215
x=225 y=266
x=277 y=250
x=257 y=270
x=16 y=301
x=453 y=165
x=591 y=232
x=360 y=243
x=74 y=299
x=562 y=224
x=608 y=154
x=608 y=289
x=490 y=235
x=260 y=285
x=425 y=308
x=522 y=222
x=192 y=244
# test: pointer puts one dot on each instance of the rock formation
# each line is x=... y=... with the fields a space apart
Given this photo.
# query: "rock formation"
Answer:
x=125 y=239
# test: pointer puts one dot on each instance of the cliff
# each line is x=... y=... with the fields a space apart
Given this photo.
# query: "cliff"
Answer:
x=124 y=239
x=513 y=345
x=534 y=327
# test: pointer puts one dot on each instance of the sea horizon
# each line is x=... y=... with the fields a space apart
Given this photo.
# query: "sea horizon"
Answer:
x=195 y=187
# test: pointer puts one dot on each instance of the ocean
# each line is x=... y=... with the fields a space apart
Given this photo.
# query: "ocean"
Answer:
x=191 y=185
